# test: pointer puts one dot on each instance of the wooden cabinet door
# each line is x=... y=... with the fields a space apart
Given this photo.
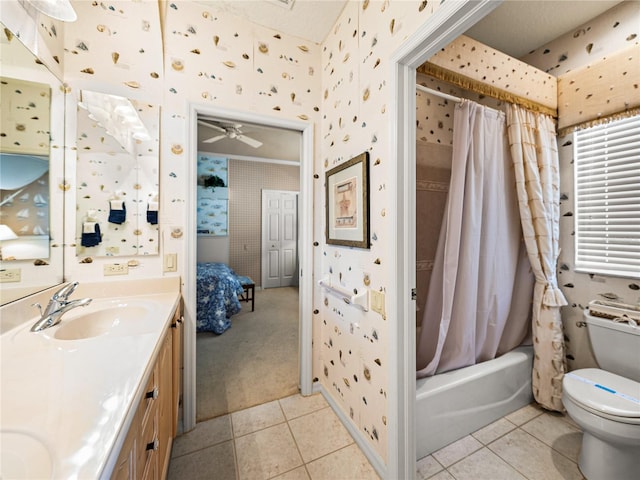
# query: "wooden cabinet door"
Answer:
x=126 y=463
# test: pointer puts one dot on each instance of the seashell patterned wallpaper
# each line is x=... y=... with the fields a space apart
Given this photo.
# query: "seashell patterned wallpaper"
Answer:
x=614 y=30
x=356 y=113
x=609 y=33
x=24 y=116
x=207 y=57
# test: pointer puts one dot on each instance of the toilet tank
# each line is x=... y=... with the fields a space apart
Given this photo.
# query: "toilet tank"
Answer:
x=615 y=345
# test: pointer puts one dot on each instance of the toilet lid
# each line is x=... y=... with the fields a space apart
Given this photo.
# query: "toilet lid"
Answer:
x=604 y=392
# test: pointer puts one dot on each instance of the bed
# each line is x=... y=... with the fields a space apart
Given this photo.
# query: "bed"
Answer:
x=218 y=288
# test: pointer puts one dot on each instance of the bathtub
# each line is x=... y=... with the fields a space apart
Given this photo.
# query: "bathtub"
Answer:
x=454 y=404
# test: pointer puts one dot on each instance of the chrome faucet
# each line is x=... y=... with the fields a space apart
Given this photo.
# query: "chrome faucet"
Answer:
x=58 y=306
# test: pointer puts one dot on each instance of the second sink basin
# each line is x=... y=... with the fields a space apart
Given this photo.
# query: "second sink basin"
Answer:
x=114 y=319
x=23 y=457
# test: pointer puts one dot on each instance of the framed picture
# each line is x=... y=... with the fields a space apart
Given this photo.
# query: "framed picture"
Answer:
x=347 y=203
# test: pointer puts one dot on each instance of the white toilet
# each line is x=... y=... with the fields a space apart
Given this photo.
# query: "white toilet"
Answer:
x=605 y=402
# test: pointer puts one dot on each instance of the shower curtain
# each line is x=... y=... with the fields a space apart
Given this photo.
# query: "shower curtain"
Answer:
x=535 y=157
x=479 y=300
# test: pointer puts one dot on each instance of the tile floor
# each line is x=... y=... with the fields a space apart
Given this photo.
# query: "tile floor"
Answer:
x=282 y=440
x=293 y=438
x=529 y=443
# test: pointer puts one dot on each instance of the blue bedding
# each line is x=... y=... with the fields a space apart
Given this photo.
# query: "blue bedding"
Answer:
x=217 y=299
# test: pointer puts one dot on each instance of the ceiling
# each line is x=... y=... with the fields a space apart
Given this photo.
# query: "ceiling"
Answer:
x=516 y=27
x=308 y=19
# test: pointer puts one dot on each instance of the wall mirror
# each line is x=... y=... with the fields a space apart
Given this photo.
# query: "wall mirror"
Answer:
x=117 y=176
x=31 y=168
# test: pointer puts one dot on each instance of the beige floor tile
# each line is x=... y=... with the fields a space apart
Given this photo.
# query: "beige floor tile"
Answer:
x=256 y=418
x=533 y=458
x=348 y=463
x=566 y=418
x=297 y=405
x=457 y=450
x=494 y=430
x=524 y=414
x=266 y=453
x=205 y=434
x=443 y=475
x=202 y=464
x=319 y=433
x=555 y=432
x=427 y=467
x=484 y=465
x=299 y=473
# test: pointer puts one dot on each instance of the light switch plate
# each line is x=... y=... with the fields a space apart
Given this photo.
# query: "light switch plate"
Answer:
x=377 y=302
x=170 y=262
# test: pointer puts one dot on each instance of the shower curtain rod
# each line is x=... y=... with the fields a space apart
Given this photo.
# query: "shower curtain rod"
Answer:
x=438 y=93
x=446 y=96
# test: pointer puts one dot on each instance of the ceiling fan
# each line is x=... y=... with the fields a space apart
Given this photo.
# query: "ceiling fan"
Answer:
x=229 y=131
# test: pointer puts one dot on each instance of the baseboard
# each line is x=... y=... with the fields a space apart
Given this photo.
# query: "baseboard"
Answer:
x=376 y=462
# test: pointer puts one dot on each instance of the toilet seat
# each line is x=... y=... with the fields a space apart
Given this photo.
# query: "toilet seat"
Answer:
x=604 y=394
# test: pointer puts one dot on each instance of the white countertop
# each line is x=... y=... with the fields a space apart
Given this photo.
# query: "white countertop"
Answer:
x=75 y=397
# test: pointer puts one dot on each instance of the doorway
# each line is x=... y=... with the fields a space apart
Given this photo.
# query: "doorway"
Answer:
x=447 y=23
x=304 y=252
x=279 y=238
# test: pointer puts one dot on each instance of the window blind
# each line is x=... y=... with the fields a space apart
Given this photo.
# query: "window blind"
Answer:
x=607 y=193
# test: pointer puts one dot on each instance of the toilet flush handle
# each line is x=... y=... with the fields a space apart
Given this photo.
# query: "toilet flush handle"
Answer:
x=581 y=323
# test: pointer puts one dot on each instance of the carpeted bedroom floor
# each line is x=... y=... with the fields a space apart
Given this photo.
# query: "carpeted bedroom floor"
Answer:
x=255 y=361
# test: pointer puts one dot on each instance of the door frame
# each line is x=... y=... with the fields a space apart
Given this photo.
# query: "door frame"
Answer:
x=449 y=21
x=263 y=257
x=305 y=225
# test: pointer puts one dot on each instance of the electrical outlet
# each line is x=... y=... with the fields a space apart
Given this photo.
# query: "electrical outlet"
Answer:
x=116 y=269
x=170 y=262
x=377 y=301
x=10 y=275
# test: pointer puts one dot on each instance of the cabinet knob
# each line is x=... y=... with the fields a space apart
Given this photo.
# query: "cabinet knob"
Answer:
x=153 y=445
x=152 y=394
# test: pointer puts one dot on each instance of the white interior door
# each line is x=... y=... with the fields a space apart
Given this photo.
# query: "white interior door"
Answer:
x=279 y=238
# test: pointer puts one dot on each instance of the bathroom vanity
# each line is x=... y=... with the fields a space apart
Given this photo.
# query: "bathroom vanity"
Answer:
x=97 y=395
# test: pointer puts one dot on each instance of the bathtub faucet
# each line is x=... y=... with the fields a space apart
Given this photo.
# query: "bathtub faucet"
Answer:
x=58 y=306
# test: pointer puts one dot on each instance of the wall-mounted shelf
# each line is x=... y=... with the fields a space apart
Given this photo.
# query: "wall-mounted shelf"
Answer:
x=360 y=300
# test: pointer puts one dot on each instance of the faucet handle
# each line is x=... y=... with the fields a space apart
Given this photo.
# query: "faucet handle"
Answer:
x=65 y=291
x=39 y=307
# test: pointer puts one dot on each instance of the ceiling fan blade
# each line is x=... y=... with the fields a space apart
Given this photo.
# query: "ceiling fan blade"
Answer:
x=214 y=139
x=249 y=141
x=214 y=127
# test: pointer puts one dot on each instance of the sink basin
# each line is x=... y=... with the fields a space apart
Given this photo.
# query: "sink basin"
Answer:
x=118 y=320
x=24 y=457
